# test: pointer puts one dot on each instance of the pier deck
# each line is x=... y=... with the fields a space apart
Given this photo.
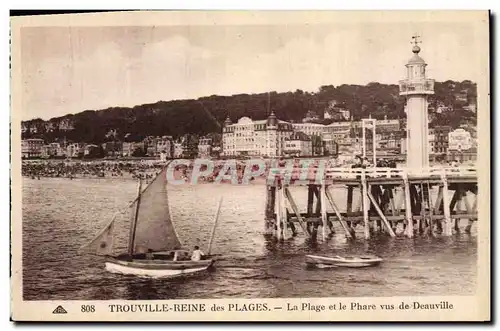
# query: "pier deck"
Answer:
x=423 y=201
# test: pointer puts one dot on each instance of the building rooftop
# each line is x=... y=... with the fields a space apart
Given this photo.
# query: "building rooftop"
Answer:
x=416 y=59
x=309 y=124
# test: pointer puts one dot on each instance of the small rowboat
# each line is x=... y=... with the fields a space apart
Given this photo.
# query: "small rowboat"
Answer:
x=341 y=261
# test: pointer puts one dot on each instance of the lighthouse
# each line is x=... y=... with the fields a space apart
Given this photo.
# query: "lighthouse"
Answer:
x=416 y=87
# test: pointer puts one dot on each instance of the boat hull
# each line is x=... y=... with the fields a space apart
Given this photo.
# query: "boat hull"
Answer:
x=157 y=269
x=354 y=262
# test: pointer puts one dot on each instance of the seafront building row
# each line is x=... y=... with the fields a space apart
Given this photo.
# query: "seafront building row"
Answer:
x=271 y=138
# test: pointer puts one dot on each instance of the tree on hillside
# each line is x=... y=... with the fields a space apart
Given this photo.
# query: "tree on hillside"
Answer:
x=206 y=115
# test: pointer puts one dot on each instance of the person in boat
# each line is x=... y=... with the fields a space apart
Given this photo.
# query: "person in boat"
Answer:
x=197 y=254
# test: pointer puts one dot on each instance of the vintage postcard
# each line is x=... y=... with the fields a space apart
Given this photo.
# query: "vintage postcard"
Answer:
x=251 y=166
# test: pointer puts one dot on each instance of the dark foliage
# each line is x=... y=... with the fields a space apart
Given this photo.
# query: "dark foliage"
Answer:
x=206 y=115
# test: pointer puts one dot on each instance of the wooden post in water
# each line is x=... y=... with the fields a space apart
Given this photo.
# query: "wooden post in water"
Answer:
x=278 y=212
x=366 y=204
x=284 y=215
x=437 y=209
x=427 y=198
x=468 y=208
x=346 y=228
x=270 y=209
x=384 y=203
x=374 y=194
x=293 y=205
x=408 y=211
x=456 y=203
x=310 y=204
x=324 y=216
x=310 y=199
x=290 y=224
x=359 y=204
x=470 y=211
x=392 y=205
x=392 y=202
x=350 y=191
x=317 y=194
x=270 y=201
x=446 y=206
x=381 y=214
x=422 y=224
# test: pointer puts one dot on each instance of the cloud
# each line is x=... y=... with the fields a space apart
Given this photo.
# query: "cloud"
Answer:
x=127 y=74
x=107 y=77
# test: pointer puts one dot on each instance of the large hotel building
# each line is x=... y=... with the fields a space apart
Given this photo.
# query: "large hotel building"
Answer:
x=255 y=138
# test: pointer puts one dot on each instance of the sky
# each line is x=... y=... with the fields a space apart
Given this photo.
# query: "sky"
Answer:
x=71 y=69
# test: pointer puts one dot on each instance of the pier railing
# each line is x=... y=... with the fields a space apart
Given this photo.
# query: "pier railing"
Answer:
x=399 y=172
x=376 y=172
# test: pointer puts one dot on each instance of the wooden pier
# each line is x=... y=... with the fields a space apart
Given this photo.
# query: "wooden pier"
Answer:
x=423 y=202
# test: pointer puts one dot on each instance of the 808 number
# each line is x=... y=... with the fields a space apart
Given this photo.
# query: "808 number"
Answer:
x=88 y=309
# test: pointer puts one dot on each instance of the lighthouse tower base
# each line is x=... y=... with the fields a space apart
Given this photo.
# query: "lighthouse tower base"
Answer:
x=417 y=132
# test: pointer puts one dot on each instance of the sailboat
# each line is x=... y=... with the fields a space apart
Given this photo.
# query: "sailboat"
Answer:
x=154 y=249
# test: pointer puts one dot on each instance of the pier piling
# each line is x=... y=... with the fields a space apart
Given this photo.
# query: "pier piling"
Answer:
x=425 y=203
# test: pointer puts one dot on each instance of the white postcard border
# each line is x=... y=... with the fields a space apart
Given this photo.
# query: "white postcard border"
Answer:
x=466 y=308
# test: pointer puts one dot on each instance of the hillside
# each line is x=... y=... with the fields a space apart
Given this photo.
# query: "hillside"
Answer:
x=449 y=106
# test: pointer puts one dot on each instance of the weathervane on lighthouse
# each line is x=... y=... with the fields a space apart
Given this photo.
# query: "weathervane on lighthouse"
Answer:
x=415 y=39
x=416 y=87
x=415 y=42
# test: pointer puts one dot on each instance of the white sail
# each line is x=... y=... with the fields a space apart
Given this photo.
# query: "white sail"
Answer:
x=153 y=225
x=102 y=244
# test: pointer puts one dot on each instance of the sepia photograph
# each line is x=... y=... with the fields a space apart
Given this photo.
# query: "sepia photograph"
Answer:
x=164 y=160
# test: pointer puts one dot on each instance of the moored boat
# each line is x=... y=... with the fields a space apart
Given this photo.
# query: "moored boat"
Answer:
x=343 y=261
x=154 y=249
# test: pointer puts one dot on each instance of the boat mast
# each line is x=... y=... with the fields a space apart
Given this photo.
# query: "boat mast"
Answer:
x=216 y=218
x=133 y=224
